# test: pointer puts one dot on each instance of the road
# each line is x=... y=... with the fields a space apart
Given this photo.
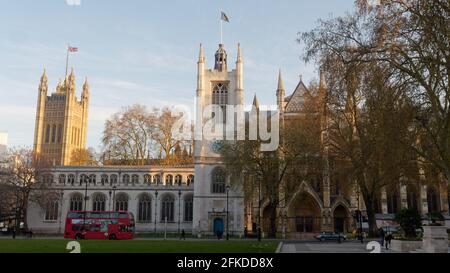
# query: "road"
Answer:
x=327 y=247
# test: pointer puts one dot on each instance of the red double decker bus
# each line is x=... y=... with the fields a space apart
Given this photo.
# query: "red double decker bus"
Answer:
x=100 y=225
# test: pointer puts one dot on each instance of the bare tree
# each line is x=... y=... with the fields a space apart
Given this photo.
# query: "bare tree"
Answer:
x=20 y=177
x=411 y=39
x=135 y=136
x=127 y=135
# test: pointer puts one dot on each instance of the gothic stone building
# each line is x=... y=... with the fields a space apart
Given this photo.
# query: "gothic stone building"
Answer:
x=61 y=120
x=156 y=193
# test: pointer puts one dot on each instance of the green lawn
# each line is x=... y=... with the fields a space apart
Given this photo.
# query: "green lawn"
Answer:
x=138 y=246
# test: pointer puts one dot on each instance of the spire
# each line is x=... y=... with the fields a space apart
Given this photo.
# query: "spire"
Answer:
x=44 y=77
x=201 y=55
x=221 y=59
x=255 y=102
x=280 y=81
x=85 y=88
x=43 y=85
x=239 y=57
x=70 y=82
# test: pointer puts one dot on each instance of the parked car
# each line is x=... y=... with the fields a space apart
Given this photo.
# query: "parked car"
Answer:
x=324 y=236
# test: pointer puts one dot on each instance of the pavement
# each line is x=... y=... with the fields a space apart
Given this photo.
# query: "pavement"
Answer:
x=328 y=247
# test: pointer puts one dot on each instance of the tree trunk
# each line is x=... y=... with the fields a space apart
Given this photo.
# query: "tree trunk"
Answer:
x=368 y=202
x=272 y=209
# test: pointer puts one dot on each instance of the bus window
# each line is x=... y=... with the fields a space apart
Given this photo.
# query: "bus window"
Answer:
x=95 y=228
x=122 y=228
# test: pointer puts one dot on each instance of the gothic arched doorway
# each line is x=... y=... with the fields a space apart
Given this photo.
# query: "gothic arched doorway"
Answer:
x=341 y=219
x=304 y=214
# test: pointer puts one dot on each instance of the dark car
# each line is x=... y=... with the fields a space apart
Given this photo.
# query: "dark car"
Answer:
x=324 y=236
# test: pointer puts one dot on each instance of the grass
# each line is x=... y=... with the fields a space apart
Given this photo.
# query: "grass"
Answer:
x=137 y=246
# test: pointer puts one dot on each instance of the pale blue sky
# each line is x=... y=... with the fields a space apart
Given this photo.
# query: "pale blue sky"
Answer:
x=142 y=51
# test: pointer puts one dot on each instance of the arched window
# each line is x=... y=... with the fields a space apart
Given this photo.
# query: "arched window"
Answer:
x=190 y=179
x=135 y=179
x=167 y=208
x=147 y=179
x=62 y=179
x=188 y=208
x=433 y=199
x=104 y=179
x=47 y=134
x=113 y=180
x=54 y=133
x=169 y=180
x=220 y=94
x=448 y=196
x=60 y=130
x=84 y=179
x=92 y=179
x=47 y=178
x=145 y=208
x=218 y=180
x=335 y=187
x=71 y=179
x=392 y=200
x=220 y=97
x=157 y=179
x=121 y=202
x=51 y=210
x=411 y=197
x=76 y=202
x=126 y=179
x=178 y=180
x=98 y=202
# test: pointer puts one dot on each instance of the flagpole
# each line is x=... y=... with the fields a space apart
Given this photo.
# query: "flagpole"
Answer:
x=67 y=62
x=221 y=29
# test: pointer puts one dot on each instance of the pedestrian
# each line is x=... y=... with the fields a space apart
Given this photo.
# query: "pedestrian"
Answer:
x=245 y=232
x=382 y=236
x=183 y=235
x=31 y=233
x=388 y=240
x=14 y=233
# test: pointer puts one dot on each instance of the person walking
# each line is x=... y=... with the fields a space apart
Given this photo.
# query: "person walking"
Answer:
x=388 y=240
x=14 y=233
x=183 y=235
x=382 y=236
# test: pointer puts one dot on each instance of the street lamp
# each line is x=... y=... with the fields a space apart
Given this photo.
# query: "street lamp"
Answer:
x=156 y=206
x=179 y=209
x=359 y=217
x=85 y=199
x=259 y=210
x=109 y=206
x=60 y=213
x=228 y=190
x=114 y=196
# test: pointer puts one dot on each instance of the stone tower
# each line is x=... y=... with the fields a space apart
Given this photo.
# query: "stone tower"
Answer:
x=61 y=120
x=220 y=88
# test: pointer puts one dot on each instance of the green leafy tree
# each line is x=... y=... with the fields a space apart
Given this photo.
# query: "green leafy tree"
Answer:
x=409 y=220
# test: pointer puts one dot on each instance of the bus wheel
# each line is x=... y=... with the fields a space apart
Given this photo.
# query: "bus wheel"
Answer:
x=112 y=237
x=78 y=237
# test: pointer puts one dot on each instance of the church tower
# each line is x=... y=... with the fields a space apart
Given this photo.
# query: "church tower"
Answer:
x=61 y=121
x=217 y=87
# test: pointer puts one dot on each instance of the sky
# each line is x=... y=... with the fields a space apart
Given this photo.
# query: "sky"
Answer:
x=146 y=52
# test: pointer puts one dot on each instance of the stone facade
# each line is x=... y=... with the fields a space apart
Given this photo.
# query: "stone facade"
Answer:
x=151 y=193
x=217 y=86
